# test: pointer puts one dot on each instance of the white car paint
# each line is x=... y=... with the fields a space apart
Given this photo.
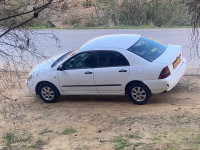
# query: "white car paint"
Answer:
x=71 y=77
x=138 y=70
x=122 y=41
x=113 y=76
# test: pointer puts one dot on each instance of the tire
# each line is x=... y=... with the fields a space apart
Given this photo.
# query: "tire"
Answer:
x=139 y=93
x=48 y=92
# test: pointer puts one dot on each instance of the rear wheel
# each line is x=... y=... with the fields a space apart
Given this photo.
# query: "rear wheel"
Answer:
x=48 y=93
x=139 y=93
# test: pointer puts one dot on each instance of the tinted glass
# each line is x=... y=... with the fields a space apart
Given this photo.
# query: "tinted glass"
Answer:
x=148 y=49
x=111 y=59
x=81 y=61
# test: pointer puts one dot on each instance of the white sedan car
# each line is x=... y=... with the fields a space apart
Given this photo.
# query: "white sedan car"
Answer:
x=110 y=65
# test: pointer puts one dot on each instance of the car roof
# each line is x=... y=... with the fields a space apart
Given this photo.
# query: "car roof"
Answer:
x=119 y=41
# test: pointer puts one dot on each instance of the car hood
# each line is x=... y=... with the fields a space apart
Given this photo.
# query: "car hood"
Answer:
x=45 y=64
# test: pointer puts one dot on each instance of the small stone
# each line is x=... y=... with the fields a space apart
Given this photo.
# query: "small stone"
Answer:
x=157 y=124
x=102 y=141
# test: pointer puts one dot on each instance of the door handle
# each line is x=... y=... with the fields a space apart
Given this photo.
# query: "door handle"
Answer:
x=88 y=72
x=122 y=70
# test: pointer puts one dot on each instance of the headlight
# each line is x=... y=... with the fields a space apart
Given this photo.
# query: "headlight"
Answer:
x=29 y=77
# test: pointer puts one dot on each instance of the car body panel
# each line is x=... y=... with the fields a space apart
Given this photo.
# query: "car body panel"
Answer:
x=70 y=83
x=167 y=56
x=159 y=86
x=113 y=80
x=117 y=41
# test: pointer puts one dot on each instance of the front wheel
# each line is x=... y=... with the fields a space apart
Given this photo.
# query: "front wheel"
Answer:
x=139 y=93
x=48 y=92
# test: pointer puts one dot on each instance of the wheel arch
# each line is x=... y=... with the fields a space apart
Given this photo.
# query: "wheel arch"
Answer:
x=132 y=82
x=41 y=82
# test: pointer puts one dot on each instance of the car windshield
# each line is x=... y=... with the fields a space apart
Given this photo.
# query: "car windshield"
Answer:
x=63 y=57
x=147 y=48
x=60 y=59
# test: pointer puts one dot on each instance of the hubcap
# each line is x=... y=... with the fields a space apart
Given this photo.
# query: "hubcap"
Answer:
x=138 y=94
x=47 y=93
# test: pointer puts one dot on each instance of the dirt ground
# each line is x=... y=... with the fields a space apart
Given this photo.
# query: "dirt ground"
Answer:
x=169 y=121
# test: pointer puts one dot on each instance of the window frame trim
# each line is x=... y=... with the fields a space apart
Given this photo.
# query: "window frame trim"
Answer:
x=96 y=55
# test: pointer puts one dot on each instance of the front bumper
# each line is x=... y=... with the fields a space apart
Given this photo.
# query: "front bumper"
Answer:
x=30 y=87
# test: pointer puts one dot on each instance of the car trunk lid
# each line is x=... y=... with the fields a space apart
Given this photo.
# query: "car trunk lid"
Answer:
x=172 y=57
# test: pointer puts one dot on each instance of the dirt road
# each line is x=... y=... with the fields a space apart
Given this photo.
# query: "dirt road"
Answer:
x=169 y=121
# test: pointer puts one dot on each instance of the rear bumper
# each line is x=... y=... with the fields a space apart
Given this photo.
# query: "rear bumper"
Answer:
x=161 y=85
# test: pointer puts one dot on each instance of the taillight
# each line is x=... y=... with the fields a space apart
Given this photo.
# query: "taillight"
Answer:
x=164 y=73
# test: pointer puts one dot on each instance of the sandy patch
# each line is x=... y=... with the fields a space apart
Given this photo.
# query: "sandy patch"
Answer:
x=169 y=121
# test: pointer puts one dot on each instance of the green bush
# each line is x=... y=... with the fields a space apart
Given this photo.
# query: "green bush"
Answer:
x=144 y=12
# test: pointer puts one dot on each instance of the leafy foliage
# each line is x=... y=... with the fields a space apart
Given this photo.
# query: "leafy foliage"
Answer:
x=144 y=12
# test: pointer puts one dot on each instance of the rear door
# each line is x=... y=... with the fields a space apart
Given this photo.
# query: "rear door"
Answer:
x=111 y=72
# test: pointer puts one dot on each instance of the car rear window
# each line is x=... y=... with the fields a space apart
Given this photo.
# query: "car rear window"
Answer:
x=147 y=48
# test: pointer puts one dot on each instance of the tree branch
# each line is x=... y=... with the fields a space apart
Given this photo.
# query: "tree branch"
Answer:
x=28 y=12
x=25 y=22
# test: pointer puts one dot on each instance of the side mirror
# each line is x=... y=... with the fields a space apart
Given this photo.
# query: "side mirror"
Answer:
x=60 y=68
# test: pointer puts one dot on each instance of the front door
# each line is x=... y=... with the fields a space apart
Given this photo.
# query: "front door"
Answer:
x=77 y=75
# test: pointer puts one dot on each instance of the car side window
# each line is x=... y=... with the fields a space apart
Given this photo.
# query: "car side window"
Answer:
x=81 y=61
x=111 y=59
